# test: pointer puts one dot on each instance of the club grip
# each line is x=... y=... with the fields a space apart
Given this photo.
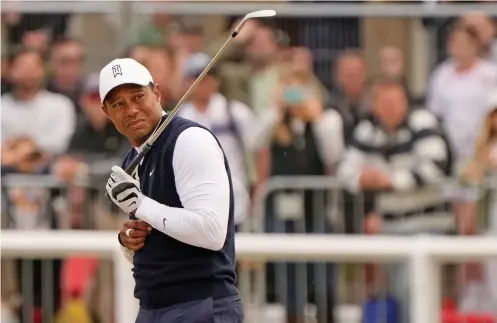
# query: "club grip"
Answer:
x=134 y=163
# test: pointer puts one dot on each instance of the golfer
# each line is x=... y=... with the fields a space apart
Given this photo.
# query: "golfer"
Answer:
x=182 y=245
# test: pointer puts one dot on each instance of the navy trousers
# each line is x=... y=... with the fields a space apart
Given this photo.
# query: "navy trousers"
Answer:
x=211 y=310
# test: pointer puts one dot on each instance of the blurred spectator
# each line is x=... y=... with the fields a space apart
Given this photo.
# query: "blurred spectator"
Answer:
x=403 y=153
x=186 y=38
x=485 y=27
x=484 y=161
x=38 y=40
x=351 y=100
x=300 y=59
x=263 y=51
x=94 y=139
x=137 y=52
x=67 y=60
x=392 y=63
x=458 y=95
x=31 y=114
x=36 y=29
x=5 y=73
x=233 y=67
x=308 y=141
x=7 y=313
x=156 y=31
x=160 y=63
x=234 y=124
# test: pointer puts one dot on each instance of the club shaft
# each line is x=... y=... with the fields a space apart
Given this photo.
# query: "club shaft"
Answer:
x=185 y=97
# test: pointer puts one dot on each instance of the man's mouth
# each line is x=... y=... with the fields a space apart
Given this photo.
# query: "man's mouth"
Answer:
x=134 y=123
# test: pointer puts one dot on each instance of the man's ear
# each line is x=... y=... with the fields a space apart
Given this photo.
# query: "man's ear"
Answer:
x=105 y=110
x=157 y=93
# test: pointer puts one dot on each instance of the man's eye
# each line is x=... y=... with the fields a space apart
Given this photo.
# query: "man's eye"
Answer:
x=138 y=97
x=117 y=105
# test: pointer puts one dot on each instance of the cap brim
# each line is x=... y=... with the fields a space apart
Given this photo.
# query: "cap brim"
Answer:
x=125 y=82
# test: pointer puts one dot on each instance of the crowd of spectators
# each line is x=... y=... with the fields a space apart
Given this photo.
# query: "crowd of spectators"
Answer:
x=274 y=117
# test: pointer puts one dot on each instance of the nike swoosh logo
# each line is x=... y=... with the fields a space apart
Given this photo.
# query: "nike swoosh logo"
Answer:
x=164 y=222
x=152 y=172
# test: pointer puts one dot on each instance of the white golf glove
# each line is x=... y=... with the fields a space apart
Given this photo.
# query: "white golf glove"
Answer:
x=124 y=190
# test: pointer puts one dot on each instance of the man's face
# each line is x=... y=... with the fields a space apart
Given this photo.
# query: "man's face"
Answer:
x=160 y=66
x=27 y=71
x=91 y=106
x=205 y=89
x=390 y=105
x=67 y=62
x=351 y=76
x=262 y=48
x=392 y=62
x=135 y=110
x=461 y=47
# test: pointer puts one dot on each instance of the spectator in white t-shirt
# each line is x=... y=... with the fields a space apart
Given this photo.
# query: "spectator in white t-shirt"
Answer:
x=458 y=95
x=31 y=114
x=238 y=130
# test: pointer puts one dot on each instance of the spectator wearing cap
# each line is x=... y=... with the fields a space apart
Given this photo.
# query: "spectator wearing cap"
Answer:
x=233 y=123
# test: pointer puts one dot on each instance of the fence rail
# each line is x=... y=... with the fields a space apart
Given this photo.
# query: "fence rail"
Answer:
x=284 y=9
x=424 y=255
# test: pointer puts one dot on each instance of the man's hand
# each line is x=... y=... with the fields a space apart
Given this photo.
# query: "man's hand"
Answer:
x=124 y=190
x=374 y=179
x=137 y=233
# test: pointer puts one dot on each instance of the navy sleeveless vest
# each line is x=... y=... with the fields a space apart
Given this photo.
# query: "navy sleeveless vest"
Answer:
x=168 y=271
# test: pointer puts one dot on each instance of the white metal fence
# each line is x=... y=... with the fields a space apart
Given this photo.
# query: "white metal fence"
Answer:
x=423 y=254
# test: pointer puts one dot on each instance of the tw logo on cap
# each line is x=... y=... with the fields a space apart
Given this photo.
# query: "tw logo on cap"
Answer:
x=116 y=70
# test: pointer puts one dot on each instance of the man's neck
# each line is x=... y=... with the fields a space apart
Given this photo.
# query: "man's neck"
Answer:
x=25 y=94
x=138 y=144
x=259 y=67
x=201 y=105
x=66 y=86
x=353 y=99
x=465 y=65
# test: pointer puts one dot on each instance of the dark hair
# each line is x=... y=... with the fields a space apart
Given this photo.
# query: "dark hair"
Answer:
x=129 y=50
x=387 y=82
x=352 y=53
x=63 y=40
x=15 y=55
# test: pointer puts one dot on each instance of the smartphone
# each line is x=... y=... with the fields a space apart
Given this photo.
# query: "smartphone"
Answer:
x=294 y=95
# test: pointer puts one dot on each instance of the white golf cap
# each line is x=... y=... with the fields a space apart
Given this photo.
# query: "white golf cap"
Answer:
x=122 y=71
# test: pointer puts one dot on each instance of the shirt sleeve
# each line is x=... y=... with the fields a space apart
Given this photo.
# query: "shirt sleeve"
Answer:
x=329 y=136
x=355 y=159
x=203 y=187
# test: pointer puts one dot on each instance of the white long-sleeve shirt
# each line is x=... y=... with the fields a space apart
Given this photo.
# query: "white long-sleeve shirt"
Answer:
x=203 y=188
x=49 y=119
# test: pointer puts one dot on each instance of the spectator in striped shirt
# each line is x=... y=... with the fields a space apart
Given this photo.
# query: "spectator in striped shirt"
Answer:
x=398 y=155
